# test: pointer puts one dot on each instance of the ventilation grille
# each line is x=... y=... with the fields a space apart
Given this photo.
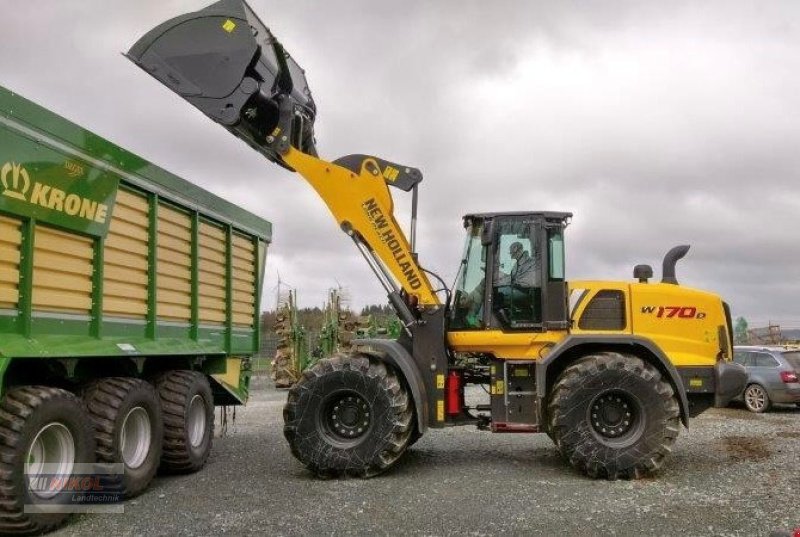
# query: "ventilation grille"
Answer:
x=244 y=281
x=125 y=258
x=606 y=311
x=174 y=265
x=62 y=271
x=10 y=238
x=212 y=293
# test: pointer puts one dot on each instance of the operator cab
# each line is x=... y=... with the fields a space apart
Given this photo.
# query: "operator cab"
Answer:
x=524 y=253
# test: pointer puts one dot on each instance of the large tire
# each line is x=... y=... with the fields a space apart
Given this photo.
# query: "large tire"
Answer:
x=756 y=398
x=38 y=424
x=348 y=415
x=612 y=416
x=126 y=413
x=415 y=436
x=188 y=409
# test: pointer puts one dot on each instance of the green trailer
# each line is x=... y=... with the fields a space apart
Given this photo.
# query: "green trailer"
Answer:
x=129 y=307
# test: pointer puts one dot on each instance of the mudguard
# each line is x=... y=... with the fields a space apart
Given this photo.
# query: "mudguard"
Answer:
x=396 y=355
x=620 y=342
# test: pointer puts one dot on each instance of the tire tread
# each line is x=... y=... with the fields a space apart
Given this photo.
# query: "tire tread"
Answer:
x=585 y=461
x=174 y=389
x=16 y=407
x=397 y=439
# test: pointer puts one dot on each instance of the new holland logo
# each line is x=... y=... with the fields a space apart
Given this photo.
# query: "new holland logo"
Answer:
x=16 y=181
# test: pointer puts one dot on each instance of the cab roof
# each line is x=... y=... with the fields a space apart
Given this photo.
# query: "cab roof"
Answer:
x=539 y=215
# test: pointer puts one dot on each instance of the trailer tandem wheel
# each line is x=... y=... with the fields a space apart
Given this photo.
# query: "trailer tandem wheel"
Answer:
x=126 y=413
x=188 y=410
x=49 y=430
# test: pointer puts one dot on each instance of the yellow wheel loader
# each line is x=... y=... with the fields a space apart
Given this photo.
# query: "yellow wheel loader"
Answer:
x=609 y=370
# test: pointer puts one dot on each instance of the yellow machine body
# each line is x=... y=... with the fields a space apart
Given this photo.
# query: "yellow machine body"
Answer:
x=683 y=322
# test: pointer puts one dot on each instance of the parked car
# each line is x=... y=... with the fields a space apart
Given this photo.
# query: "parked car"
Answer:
x=773 y=375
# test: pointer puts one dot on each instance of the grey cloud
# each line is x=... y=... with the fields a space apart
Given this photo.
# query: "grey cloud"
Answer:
x=655 y=123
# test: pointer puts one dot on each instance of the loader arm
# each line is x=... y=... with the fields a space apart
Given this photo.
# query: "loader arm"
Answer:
x=359 y=199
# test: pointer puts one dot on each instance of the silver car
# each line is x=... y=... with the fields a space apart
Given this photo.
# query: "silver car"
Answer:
x=772 y=375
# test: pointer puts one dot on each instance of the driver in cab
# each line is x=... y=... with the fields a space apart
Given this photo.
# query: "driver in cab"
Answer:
x=523 y=276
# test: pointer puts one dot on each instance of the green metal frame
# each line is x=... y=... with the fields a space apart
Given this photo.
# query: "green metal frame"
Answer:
x=31 y=335
x=152 y=265
x=25 y=303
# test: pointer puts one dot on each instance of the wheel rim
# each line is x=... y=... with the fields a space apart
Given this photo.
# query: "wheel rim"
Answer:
x=135 y=438
x=617 y=418
x=346 y=417
x=52 y=454
x=196 y=420
x=756 y=398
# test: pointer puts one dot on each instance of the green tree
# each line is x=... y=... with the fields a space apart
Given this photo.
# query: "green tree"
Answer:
x=740 y=333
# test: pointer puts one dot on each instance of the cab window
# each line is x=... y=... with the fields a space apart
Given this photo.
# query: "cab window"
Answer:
x=516 y=282
x=467 y=310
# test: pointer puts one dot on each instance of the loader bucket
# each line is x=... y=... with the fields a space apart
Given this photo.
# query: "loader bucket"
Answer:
x=226 y=62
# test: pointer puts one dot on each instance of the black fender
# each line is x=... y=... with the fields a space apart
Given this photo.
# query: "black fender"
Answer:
x=396 y=355
x=598 y=343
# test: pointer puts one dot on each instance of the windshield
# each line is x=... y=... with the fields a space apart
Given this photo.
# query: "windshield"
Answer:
x=467 y=311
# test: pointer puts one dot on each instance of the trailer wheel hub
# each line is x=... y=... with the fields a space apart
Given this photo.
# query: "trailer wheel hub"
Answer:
x=52 y=453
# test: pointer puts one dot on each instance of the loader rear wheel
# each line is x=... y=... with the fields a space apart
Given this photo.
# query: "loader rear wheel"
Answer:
x=188 y=409
x=348 y=415
x=49 y=430
x=126 y=413
x=612 y=416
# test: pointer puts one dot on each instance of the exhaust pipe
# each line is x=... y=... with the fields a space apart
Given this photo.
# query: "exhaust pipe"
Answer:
x=670 y=260
x=226 y=62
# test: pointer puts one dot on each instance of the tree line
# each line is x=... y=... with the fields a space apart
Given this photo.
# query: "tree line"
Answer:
x=312 y=319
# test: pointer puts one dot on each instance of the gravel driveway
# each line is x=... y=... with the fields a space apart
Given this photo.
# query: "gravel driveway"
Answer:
x=733 y=473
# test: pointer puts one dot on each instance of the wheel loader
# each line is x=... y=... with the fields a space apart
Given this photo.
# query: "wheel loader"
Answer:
x=611 y=371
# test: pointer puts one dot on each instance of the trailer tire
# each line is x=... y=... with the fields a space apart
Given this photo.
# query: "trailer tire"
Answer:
x=52 y=423
x=348 y=414
x=613 y=416
x=126 y=413
x=187 y=406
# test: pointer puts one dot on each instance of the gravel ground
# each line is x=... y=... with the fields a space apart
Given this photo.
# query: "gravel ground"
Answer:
x=733 y=473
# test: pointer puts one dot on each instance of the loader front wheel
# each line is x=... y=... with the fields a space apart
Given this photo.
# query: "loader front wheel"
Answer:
x=613 y=416
x=348 y=415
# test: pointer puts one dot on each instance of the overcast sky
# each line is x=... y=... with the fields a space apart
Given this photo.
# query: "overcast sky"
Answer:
x=655 y=123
